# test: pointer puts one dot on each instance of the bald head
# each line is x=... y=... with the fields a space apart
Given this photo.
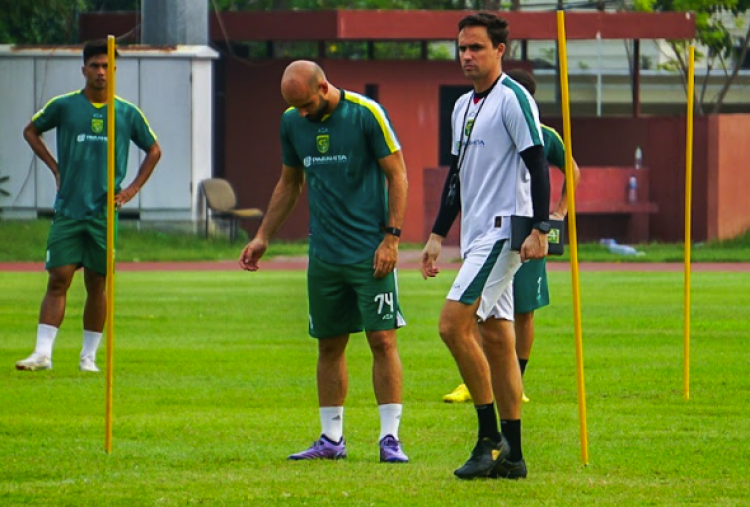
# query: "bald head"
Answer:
x=304 y=86
x=301 y=78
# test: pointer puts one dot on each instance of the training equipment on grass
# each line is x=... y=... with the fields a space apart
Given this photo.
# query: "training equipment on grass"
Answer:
x=110 y=238
x=688 y=209
x=573 y=234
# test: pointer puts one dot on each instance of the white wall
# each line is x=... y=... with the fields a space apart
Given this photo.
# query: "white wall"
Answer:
x=16 y=108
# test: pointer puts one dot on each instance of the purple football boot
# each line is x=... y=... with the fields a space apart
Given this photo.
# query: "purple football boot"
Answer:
x=323 y=448
x=390 y=451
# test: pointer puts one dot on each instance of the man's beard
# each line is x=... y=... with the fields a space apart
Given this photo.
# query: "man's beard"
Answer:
x=320 y=113
x=94 y=84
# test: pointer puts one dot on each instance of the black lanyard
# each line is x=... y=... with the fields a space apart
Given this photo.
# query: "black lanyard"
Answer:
x=462 y=149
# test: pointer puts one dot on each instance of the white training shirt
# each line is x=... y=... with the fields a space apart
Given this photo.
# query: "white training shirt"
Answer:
x=494 y=179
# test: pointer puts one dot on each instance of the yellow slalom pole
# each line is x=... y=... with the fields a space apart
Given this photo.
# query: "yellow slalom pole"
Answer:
x=572 y=233
x=110 y=236
x=688 y=208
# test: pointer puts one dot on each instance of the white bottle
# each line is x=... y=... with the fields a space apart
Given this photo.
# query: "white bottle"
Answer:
x=623 y=249
x=638 y=157
x=632 y=190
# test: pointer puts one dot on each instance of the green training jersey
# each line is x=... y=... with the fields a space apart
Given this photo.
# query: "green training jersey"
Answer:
x=554 y=148
x=82 y=149
x=347 y=189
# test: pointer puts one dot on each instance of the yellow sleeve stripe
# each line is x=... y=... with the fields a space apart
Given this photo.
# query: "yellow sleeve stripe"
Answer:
x=553 y=131
x=379 y=114
x=50 y=101
x=145 y=120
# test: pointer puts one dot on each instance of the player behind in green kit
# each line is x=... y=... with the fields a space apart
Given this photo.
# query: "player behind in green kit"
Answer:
x=343 y=144
x=78 y=235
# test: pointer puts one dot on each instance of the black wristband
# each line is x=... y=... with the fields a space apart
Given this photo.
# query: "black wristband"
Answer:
x=393 y=231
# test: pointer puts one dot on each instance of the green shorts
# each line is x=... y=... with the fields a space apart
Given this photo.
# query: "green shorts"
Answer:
x=530 y=290
x=82 y=243
x=347 y=298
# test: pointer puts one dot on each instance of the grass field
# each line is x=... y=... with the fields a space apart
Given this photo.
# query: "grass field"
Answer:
x=29 y=240
x=214 y=387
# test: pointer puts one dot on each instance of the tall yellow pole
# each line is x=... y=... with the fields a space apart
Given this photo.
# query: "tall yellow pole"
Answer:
x=110 y=236
x=572 y=232
x=688 y=208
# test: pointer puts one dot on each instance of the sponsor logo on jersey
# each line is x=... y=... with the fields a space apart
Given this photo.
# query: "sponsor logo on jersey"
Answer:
x=97 y=125
x=474 y=142
x=88 y=137
x=328 y=159
x=323 y=143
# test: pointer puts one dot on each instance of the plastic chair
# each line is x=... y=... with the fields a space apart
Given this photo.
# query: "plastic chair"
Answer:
x=221 y=203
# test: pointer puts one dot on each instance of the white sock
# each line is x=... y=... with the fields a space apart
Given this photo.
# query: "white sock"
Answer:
x=390 y=418
x=45 y=339
x=91 y=340
x=332 y=422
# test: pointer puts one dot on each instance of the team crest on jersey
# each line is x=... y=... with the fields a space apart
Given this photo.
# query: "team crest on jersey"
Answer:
x=468 y=127
x=554 y=236
x=97 y=125
x=323 y=143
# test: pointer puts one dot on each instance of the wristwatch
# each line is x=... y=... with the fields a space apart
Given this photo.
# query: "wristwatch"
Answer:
x=543 y=227
x=393 y=231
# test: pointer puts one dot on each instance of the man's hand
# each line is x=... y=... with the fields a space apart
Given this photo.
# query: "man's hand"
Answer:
x=252 y=253
x=430 y=255
x=557 y=216
x=535 y=246
x=125 y=196
x=386 y=256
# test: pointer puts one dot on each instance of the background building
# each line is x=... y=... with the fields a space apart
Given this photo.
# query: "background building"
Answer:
x=406 y=60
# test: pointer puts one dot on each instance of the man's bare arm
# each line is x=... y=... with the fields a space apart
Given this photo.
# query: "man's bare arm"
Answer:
x=394 y=168
x=34 y=138
x=144 y=173
x=562 y=205
x=283 y=200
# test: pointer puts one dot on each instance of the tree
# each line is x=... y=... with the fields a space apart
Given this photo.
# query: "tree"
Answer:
x=50 y=21
x=713 y=34
x=239 y=5
x=39 y=22
x=56 y=21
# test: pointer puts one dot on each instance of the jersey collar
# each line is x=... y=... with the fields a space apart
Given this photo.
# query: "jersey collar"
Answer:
x=479 y=96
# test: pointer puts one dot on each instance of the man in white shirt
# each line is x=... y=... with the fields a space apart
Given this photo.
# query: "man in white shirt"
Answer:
x=500 y=170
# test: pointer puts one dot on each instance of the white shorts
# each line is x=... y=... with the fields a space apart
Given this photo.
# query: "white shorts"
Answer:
x=505 y=306
x=487 y=272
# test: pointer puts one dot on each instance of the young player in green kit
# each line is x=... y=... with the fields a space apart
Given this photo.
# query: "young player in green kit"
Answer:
x=78 y=235
x=344 y=146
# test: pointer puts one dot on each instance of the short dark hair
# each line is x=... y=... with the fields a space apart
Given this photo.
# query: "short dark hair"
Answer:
x=497 y=27
x=95 y=48
x=523 y=78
